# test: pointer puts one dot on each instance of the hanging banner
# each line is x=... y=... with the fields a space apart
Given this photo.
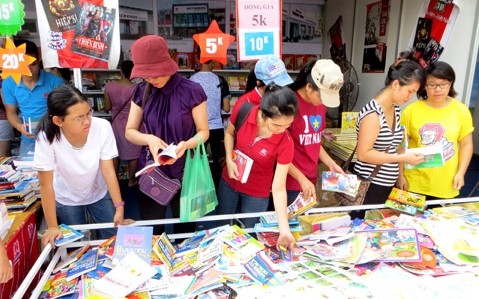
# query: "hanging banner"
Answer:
x=79 y=34
x=258 y=28
x=434 y=25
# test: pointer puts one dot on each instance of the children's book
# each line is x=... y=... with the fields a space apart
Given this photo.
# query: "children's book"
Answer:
x=432 y=157
x=244 y=164
x=106 y=249
x=406 y=197
x=57 y=286
x=71 y=258
x=300 y=205
x=338 y=182
x=69 y=235
x=130 y=273
x=164 y=156
x=348 y=120
x=86 y=263
x=261 y=269
x=137 y=239
x=165 y=250
x=393 y=245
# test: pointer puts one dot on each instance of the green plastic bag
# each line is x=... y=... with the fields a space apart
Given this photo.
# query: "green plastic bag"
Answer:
x=198 y=193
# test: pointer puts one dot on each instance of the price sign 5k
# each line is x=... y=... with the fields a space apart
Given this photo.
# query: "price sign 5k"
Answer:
x=11 y=16
x=213 y=43
x=259 y=28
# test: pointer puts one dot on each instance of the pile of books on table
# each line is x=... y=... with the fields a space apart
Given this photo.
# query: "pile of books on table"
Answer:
x=340 y=142
x=17 y=190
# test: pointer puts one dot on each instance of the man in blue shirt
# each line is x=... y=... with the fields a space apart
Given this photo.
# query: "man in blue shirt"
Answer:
x=26 y=103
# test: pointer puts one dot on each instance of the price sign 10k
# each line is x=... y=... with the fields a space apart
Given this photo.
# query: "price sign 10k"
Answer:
x=259 y=43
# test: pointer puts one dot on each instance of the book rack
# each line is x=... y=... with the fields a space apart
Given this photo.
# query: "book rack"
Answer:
x=61 y=250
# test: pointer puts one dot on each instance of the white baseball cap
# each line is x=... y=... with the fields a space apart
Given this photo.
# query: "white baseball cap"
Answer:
x=328 y=77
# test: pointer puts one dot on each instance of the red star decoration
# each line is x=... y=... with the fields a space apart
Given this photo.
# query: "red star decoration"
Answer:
x=213 y=43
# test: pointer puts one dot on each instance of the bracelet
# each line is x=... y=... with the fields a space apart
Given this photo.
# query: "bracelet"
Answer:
x=119 y=204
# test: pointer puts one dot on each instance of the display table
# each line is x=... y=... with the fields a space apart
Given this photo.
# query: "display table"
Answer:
x=22 y=248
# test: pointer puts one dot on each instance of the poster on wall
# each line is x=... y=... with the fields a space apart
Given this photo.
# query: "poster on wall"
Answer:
x=375 y=48
x=79 y=34
x=434 y=25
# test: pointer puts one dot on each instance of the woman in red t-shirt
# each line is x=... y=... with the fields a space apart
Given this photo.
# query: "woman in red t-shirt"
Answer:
x=264 y=138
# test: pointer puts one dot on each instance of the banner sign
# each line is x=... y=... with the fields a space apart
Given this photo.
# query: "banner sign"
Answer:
x=79 y=34
x=259 y=28
x=11 y=16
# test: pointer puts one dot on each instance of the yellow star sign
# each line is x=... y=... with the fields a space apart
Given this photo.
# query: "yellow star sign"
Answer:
x=14 y=61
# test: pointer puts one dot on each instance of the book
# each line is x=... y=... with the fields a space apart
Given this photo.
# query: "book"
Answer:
x=71 y=258
x=289 y=60
x=300 y=205
x=270 y=220
x=130 y=273
x=69 y=235
x=106 y=249
x=86 y=263
x=165 y=250
x=137 y=239
x=337 y=182
x=423 y=34
x=432 y=157
x=244 y=164
x=61 y=15
x=406 y=197
x=57 y=286
x=401 y=207
x=393 y=245
x=94 y=31
x=316 y=222
x=261 y=270
x=164 y=156
x=348 y=120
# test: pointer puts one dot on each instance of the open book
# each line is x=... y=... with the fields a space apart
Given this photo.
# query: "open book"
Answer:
x=165 y=155
x=432 y=157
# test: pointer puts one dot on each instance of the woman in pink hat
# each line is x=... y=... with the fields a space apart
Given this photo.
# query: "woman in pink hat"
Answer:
x=173 y=111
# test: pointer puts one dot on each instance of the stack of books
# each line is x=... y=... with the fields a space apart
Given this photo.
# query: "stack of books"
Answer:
x=19 y=198
x=340 y=142
x=406 y=202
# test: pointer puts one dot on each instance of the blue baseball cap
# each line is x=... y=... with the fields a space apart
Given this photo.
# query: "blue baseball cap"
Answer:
x=271 y=69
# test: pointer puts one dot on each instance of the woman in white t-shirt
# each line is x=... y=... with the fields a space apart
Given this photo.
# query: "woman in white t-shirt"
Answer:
x=74 y=158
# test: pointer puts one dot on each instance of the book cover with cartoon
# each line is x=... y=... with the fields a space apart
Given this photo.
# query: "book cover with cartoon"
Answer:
x=94 y=31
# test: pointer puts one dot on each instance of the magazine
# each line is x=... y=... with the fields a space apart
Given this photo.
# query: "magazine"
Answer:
x=133 y=239
x=69 y=235
x=338 y=182
x=94 y=31
x=86 y=263
x=71 y=258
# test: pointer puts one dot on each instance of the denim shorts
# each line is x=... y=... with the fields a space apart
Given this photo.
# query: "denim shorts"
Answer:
x=6 y=131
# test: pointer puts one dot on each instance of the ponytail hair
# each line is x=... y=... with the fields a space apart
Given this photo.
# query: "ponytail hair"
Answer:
x=304 y=77
x=58 y=102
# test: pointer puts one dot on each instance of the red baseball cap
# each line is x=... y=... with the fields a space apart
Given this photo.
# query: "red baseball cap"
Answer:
x=151 y=58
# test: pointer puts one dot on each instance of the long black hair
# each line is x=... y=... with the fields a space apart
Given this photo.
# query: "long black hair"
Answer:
x=281 y=102
x=304 y=77
x=58 y=102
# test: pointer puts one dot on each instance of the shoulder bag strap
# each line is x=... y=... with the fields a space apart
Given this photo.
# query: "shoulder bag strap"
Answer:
x=242 y=115
x=376 y=169
x=146 y=94
x=121 y=109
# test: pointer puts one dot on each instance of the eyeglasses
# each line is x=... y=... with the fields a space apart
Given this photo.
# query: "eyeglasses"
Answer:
x=82 y=118
x=441 y=86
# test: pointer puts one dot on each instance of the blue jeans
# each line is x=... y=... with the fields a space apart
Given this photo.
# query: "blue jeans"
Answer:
x=101 y=211
x=231 y=201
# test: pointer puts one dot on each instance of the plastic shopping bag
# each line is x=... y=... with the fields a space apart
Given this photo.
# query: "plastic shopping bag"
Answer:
x=198 y=194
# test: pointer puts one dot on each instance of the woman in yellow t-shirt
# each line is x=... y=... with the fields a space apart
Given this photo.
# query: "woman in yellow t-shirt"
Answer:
x=437 y=119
